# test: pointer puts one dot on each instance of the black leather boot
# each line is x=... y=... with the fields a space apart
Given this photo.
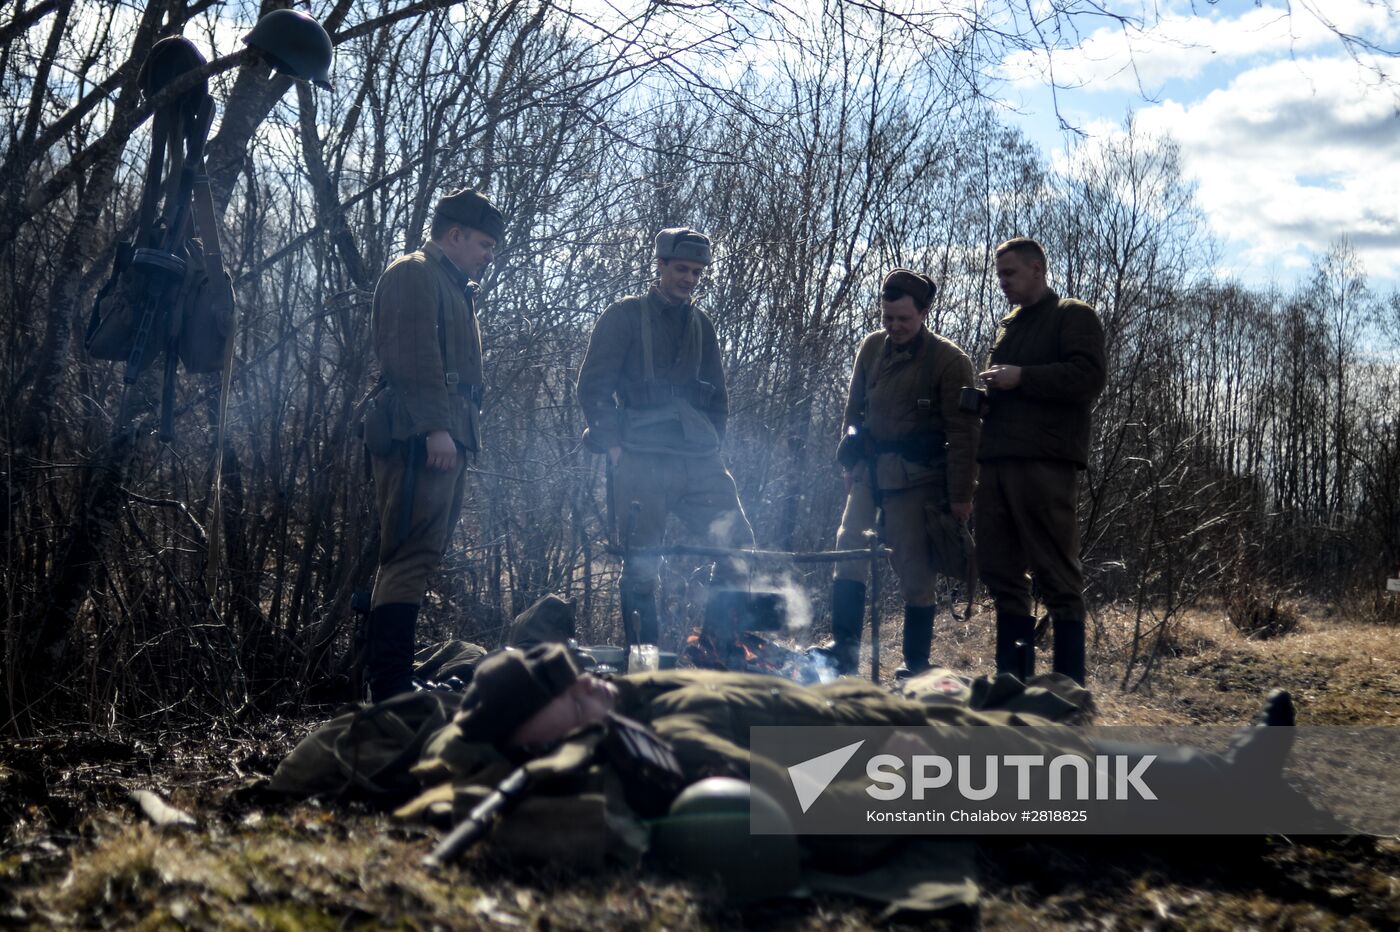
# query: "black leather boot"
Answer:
x=1262 y=747
x=389 y=650
x=918 y=638
x=847 y=623
x=1016 y=645
x=639 y=616
x=1069 y=648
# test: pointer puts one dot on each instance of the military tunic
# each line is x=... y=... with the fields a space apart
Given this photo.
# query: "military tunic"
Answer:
x=663 y=401
x=909 y=396
x=428 y=343
x=1035 y=439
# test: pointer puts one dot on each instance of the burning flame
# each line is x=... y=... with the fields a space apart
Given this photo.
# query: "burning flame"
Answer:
x=750 y=652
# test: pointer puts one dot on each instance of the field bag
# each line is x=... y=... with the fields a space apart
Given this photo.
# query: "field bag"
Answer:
x=168 y=290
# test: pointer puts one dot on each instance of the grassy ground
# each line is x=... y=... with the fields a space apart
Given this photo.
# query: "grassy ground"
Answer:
x=76 y=854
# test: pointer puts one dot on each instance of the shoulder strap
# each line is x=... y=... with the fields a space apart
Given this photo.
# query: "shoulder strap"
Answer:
x=689 y=350
x=648 y=367
x=161 y=130
x=928 y=365
x=872 y=371
x=447 y=335
x=928 y=372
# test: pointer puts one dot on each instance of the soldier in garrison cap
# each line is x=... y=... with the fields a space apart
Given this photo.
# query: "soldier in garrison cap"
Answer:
x=909 y=451
x=526 y=702
x=1045 y=370
x=425 y=419
x=653 y=396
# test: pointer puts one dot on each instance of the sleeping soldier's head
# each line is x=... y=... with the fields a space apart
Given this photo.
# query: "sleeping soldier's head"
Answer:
x=521 y=698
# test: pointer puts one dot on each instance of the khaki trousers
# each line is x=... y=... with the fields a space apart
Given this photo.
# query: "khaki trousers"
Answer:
x=1026 y=521
x=906 y=533
x=697 y=489
x=405 y=565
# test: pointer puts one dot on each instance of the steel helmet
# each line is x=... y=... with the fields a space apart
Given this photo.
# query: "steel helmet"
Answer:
x=294 y=44
x=168 y=59
x=706 y=836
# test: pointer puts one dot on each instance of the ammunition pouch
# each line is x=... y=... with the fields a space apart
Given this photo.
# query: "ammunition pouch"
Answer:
x=206 y=323
x=385 y=424
x=851 y=450
x=591 y=443
x=154 y=295
x=132 y=311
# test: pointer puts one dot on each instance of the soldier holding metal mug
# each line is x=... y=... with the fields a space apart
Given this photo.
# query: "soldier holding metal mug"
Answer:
x=1045 y=370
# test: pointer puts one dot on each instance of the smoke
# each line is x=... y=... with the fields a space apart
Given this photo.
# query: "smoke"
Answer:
x=798 y=607
x=722 y=528
x=721 y=533
x=820 y=667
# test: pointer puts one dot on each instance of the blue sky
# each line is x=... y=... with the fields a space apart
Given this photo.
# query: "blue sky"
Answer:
x=1292 y=138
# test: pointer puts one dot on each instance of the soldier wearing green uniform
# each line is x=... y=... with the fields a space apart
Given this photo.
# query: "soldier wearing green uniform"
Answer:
x=536 y=710
x=653 y=395
x=1045 y=370
x=903 y=420
x=426 y=418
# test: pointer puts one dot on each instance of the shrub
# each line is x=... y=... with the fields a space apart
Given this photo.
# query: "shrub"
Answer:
x=1262 y=616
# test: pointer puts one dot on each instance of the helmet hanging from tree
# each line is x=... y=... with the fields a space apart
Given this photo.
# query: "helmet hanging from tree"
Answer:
x=295 y=45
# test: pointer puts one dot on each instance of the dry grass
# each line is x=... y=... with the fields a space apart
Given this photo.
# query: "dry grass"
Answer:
x=1339 y=671
x=309 y=867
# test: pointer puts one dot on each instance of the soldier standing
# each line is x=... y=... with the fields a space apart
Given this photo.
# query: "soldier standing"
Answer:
x=425 y=420
x=909 y=451
x=1045 y=370
x=653 y=396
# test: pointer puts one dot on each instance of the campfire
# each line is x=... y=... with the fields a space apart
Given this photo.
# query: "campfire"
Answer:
x=730 y=639
x=751 y=652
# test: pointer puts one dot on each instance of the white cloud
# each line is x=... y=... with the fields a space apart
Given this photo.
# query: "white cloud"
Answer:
x=1292 y=155
x=1180 y=44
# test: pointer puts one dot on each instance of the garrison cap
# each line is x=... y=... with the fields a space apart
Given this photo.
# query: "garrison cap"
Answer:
x=915 y=284
x=471 y=209
x=683 y=243
x=510 y=686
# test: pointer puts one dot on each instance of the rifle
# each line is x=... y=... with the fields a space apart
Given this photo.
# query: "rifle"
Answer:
x=483 y=817
x=648 y=770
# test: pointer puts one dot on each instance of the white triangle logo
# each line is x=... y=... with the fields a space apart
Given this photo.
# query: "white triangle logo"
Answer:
x=811 y=777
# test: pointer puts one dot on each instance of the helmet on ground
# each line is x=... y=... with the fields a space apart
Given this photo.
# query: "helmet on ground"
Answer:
x=294 y=44
x=706 y=837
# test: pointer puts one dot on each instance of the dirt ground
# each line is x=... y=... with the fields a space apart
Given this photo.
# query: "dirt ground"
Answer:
x=75 y=852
